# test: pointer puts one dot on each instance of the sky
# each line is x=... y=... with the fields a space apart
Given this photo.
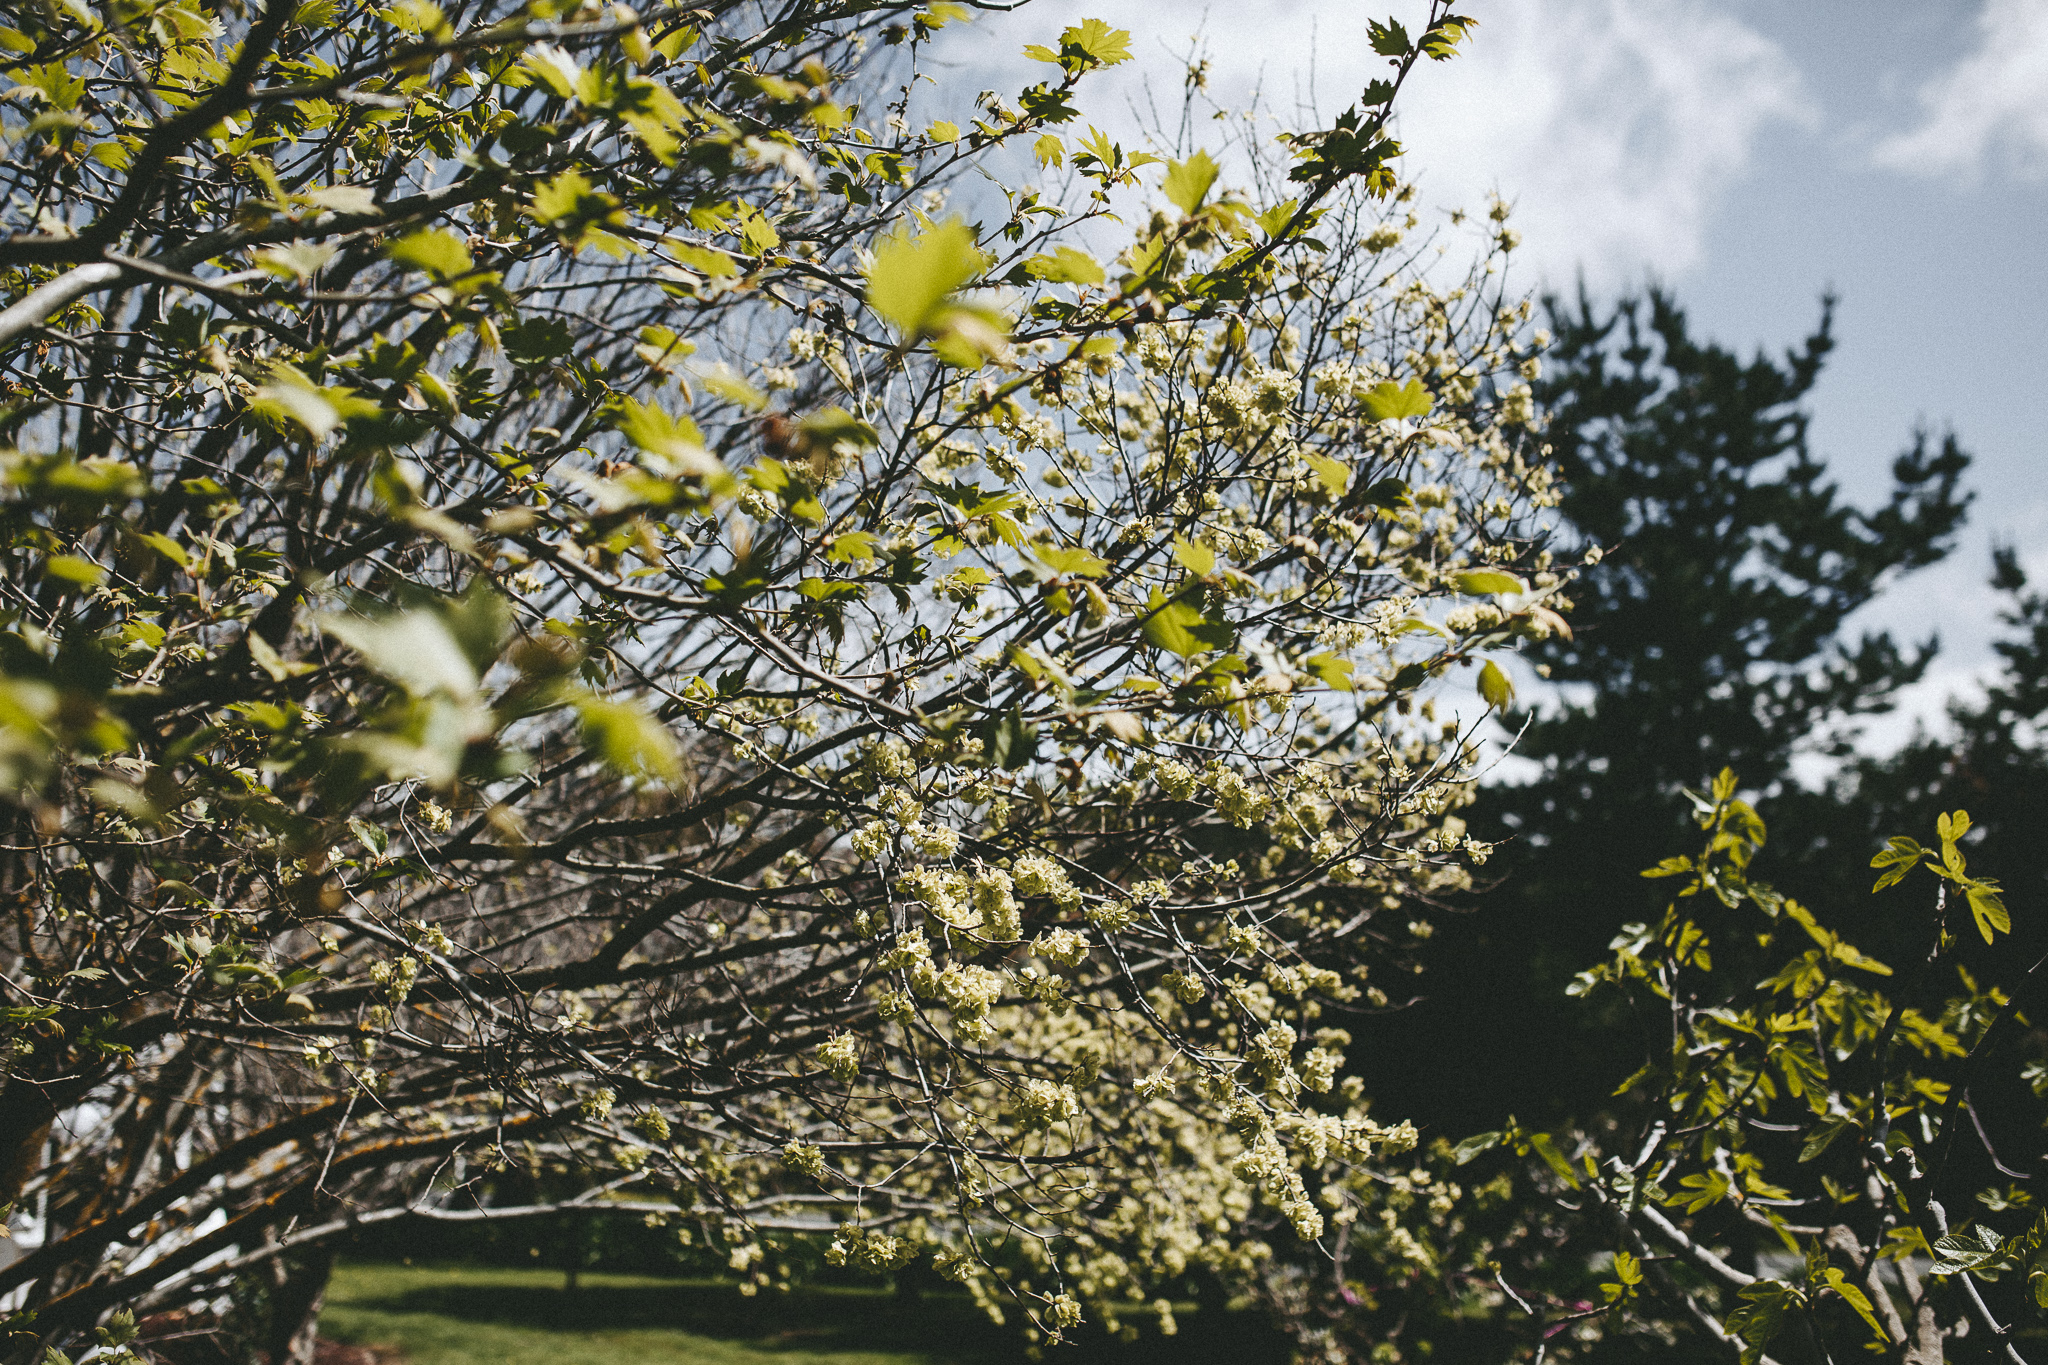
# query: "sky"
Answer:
x=1748 y=155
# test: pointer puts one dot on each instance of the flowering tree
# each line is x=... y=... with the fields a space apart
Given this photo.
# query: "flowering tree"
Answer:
x=571 y=629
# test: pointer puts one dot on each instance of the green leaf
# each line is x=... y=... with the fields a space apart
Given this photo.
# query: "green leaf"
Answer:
x=660 y=345
x=371 y=837
x=1855 y=1298
x=1987 y=907
x=1085 y=46
x=705 y=260
x=830 y=426
x=1960 y=1251
x=849 y=547
x=438 y=252
x=1482 y=582
x=300 y=260
x=534 y=341
x=1389 y=39
x=1188 y=182
x=1387 y=401
x=913 y=277
x=1199 y=560
x=303 y=405
x=138 y=631
x=1392 y=494
x=1472 y=1146
x=824 y=590
x=570 y=198
x=354 y=200
x=271 y=662
x=554 y=68
x=1072 y=560
x=1333 y=671
x=1179 y=627
x=628 y=739
x=1822 y=1137
x=675 y=440
x=1901 y=855
x=1277 y=217
x=1008 y=740
x=1440 y=43
x=413 y=648
x=756 y=232
x=965 y=336
x=654 y=114
x=75 y=569
x=291 y=396
x=734 y=389
x=794 y=492
x=1097 y=40
x=1544 y=1147
x=1333 y=475
x=1065 y=266
x=1495 y=689
x=1702 y=1189
x=1762 y=1315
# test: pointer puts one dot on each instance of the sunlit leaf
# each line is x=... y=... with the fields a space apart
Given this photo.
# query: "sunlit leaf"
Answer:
x=1188 y=182
x=1387 y=401
x=1065 y=265
x=1178 y=626
x=913 y=276
x=1495 y=688
x=1482 y=582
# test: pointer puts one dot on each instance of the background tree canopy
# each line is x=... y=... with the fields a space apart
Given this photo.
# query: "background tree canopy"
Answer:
x=1709 y=633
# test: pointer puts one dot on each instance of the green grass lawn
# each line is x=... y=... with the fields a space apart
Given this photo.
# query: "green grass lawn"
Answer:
x=463 y=1315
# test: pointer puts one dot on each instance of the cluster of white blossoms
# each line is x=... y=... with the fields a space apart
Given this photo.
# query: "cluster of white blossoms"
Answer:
x=1149 y=673
x=977 y=901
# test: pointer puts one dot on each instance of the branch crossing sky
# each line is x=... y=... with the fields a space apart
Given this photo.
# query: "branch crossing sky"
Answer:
x=1749 y=154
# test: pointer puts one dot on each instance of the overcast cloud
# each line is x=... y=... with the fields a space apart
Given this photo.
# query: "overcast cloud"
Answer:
x=1992 y=104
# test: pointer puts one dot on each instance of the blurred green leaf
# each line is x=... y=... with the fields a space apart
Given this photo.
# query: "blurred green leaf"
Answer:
x=1495 y=688
x=913 y=276
x=1188 y=182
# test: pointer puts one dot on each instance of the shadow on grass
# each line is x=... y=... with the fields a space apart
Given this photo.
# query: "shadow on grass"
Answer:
x=810 y=1320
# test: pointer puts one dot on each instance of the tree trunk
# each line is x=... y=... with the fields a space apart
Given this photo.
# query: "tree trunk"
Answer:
x=298 y=1293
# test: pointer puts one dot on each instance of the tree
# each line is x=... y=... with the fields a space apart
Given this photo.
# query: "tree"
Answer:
x=1708 y=623
x=1796 y=1163
x=1816 y=1151
x=517 y=697
x=1989 y=756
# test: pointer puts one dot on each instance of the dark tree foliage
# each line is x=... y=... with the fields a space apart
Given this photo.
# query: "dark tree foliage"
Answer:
x=1711 y=631
x=1991 y=757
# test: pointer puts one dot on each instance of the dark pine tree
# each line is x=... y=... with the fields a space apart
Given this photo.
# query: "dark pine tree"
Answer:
x=1710 y=633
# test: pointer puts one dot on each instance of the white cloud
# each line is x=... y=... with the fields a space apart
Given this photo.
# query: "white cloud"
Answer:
x=1614 y=126
x=1994 y=99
